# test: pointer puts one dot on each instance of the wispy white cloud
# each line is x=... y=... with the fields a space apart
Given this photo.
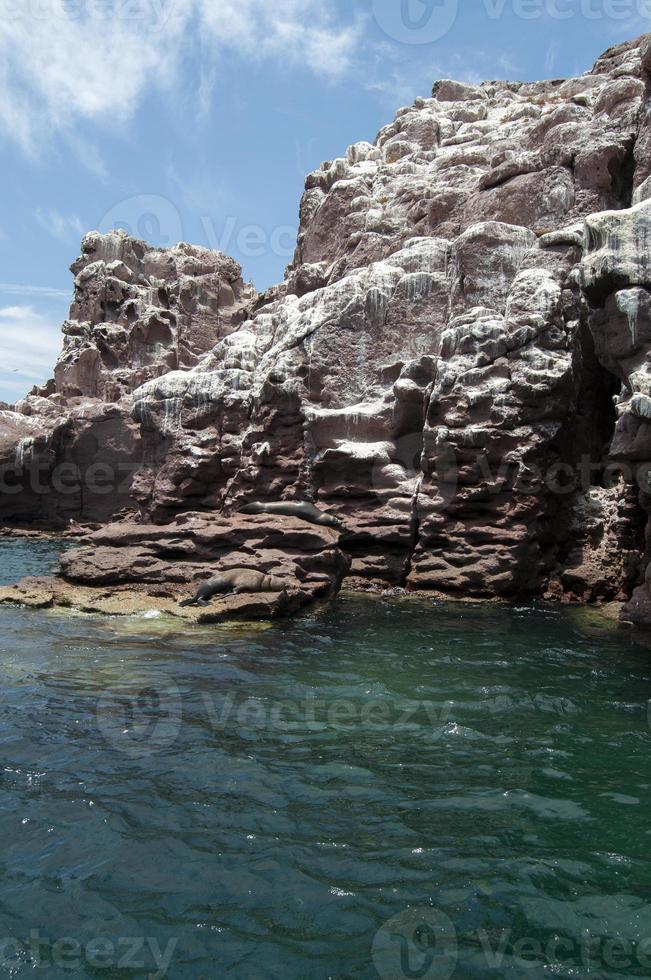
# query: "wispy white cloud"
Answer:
x=65 y=228
x=62 y=63
x=57 y=70
x=29 y=346
x=301 y=32
x=41 y=292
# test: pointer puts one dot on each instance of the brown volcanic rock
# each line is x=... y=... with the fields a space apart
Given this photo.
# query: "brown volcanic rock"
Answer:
x=72 y=447
x=437 y=369
x=140 y=312
x=428 y=360
x=170 y=561
x=49 y=593
x=602 y=559
x=616 y=276
x=539 y=154
x=126 y=567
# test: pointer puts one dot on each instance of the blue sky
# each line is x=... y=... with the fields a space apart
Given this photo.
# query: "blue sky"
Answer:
x=198 y=119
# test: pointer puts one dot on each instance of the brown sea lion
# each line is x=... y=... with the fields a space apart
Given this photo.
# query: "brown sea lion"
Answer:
x=237 y=581
x=294 y=508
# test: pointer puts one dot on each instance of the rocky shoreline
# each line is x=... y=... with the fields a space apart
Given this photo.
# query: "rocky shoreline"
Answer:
x=456 y=367
x=126 y=568
x=79 y=585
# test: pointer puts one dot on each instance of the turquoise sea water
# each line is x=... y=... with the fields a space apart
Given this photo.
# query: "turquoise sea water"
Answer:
x=384 y=787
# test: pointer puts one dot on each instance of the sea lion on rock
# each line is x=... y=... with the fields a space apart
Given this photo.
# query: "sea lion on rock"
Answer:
x=295 y=508
x=237 y=581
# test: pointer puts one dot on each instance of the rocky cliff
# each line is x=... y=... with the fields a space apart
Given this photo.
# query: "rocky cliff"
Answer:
x=456 y=365
x=69 y=450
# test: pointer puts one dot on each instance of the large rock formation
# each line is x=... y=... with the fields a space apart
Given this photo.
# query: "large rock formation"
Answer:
x=126 y=567
x=69 y=450
x=616 y=276
x=468 y=297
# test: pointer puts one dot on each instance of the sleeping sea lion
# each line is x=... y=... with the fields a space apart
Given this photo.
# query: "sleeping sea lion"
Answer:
x=294 y=508
x=237 y=581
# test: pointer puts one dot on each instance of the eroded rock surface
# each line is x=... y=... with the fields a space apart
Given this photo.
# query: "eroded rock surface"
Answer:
x=126 y=567
x=69 y=450
x=617 y=279
x=469 y=296
x=427 y=363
